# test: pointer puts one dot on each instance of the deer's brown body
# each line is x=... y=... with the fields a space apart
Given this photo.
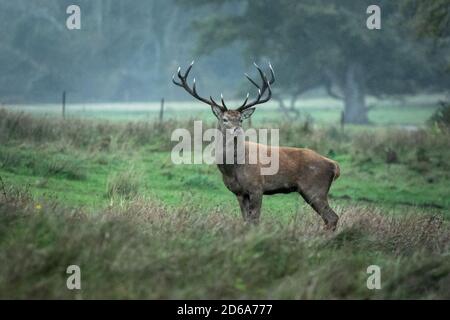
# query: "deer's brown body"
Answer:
x=300 y=170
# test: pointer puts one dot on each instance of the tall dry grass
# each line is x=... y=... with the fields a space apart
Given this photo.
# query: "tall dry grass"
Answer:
x=101 y=135
x=80 y=133
x=144 y=249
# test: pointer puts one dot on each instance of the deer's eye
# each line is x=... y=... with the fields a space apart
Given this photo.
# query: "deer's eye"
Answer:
x=225 y=120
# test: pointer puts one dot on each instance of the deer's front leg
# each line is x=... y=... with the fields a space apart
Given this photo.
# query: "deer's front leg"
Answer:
x=254 y=208
x=244 y=205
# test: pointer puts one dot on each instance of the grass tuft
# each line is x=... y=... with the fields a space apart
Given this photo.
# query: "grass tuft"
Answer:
x=124 y=184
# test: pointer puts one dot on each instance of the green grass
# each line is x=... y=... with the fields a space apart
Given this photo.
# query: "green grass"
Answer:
x=378 y=182
x=141 y=249
x=141 y=227
x=323 y=110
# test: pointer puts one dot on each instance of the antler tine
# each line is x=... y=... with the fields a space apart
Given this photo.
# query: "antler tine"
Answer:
x=251 y=80
x=246 y=99
x=188 y=70
x=261 y=73
x=193 y=92
x=179 y=74
x=223 y=102
x=266 y=85
x=174 y=82
x=212 y=100
x=272 y=74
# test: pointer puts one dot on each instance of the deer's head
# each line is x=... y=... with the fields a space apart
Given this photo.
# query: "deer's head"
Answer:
x=230 y=119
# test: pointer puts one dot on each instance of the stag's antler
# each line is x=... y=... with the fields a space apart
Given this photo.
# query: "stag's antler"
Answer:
x=261 y=90
x=193 y=91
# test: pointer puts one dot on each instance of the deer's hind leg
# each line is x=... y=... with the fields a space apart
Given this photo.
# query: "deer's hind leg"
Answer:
x=321 y=206
x=317 y=198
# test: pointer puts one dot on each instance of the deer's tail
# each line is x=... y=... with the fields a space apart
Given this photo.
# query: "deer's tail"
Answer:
x=337 y=171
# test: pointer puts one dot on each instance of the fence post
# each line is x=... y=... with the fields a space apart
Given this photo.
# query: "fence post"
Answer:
x=161 y=111
x=64 y=105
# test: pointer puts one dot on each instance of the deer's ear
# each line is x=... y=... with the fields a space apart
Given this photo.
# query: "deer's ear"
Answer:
x=247 y=113
x=217 y=111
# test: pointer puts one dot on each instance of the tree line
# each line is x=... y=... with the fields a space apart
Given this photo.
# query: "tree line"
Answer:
x=325 y=43
x=127 y=51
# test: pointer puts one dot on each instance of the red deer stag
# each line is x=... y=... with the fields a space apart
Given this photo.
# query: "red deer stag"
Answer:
x=300 y=170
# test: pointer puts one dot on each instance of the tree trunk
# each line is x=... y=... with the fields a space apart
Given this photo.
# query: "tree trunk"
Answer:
x=292 y=108
x=354 y=96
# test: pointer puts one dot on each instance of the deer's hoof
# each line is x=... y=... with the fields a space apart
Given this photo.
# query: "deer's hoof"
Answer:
x=331 y=227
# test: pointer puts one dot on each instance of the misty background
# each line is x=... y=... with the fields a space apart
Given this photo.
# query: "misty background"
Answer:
x=127 y=51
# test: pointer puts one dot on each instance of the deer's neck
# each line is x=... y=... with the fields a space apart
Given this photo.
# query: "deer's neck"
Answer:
x=229 y=149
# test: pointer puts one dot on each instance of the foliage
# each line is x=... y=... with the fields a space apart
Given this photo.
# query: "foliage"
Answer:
x=145 y=250
x=441 y=117
x=125 y=51
x=419 y=177
x=430 y=18
x=326 y=43
x=95 y=135
x=41 y=164
x=123 y=184
x=173 y=231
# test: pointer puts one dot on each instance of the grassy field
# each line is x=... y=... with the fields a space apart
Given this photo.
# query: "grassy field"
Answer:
x=105 y=195
x=322 y=110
